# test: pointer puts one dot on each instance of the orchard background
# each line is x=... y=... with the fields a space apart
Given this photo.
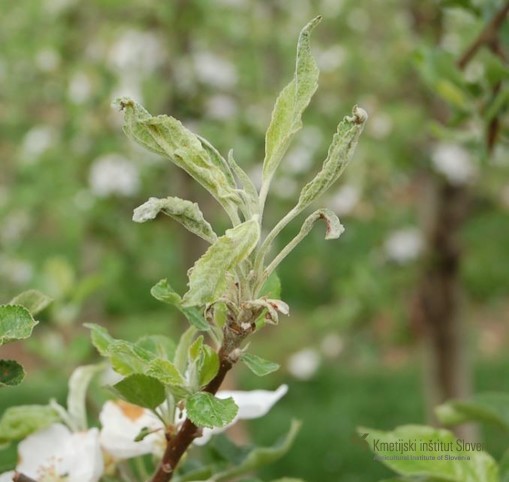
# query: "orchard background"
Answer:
x=357 y=349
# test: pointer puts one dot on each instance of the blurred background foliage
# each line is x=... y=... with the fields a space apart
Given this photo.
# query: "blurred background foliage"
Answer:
x=69 y=181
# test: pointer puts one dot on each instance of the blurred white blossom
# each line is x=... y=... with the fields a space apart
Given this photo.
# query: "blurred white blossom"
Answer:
x=37 y=141
x=331 y=59
x=80 y=88
x=221 y=107
x=285 y=187
x=136 y=51
x=214 y=70
x=113 y=174
x=404 y=245
x=14 y=226
x=47 y=59
x=304 y=363
x=15 y=270
x=55 y=454
x=358 y=20
x=380 y=125
x=454 y=162
x=332 y=345
x=344 y=200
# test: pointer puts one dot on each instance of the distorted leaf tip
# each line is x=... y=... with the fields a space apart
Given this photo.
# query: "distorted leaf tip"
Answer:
x=120 y=103
x=360 y=116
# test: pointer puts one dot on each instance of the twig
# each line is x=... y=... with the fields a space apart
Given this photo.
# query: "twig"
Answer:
x=19 y=477
x=486 y=36
x=188 y=431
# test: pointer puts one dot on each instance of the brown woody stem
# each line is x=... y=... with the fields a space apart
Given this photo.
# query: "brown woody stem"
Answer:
x=188 y=431
x=487 y=35
x=19 y=477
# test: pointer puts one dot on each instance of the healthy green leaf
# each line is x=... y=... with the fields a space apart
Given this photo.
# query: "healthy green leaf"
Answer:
x=127 y=358
x=76 y=398
x=34 y=301
x=209 y=365
x=462 y=466
x=339 y=155
x=504 y=467
x=162 y=291
x=184 y=212
x=207 y=279
x=181 y=355
x=205 y=410
x=166 y=372
x=16 y=323
x=100 y=337
x=159 y=346
x=490 y=408
x=168 y=137
x=20 y=421
x=142 y=390
x=291 y=103
x=11 y=373
x=272 y=287
x=258 y=365
x=260 y=456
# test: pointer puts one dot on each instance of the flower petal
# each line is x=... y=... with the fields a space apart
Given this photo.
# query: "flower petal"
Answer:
x=255 y=403
x=84 y=457
x=252 y=404
x=42 y=451
x=7 y=476
x=121 y=423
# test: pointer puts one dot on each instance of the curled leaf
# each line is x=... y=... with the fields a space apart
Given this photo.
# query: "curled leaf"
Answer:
x=339 y=155
x=291 y=103
x=168 y=137
x=185 y=212
x=334 y=228
x=207 y=279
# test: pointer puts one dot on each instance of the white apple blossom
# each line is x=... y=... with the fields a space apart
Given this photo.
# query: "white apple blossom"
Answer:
x=122 y=422
x=304 y=363
x=113 y=174
x=404 y=245
x=55 y=454
x=454 y=162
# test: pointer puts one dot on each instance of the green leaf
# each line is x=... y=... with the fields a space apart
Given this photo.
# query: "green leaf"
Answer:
x=340 y=152
x=272 y=287
x=162 y=291
x=205 y=410
x=159 y=346
x=11 y=373
x=184 y=212
x=19 y=422
x=291 y=103
x=168 y=137
x=166 y=372
x=490 y=408
x=209 y=365
x=181 y=354
x=248 y=191
x=260 y=456
x=16 y=323
x=34 y=301
x=430 y=442
x=142 y=390
x=207 y=279
x=100 y=337
x=76 y=398
x=258 y=365
x=127 y=358
x=504 y=467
